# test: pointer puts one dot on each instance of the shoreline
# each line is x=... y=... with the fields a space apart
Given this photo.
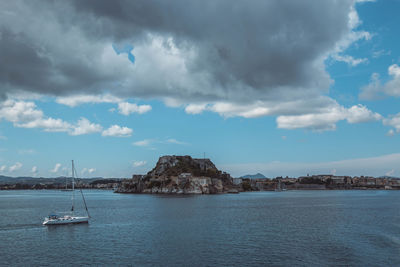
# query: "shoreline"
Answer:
x=220 y=193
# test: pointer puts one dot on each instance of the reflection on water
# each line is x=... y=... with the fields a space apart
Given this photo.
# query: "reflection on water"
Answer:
x=70 y=228
x=308 y=228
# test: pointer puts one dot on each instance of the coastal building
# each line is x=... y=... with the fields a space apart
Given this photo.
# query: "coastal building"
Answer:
x=381 y=182
x=185 y=175
x=202 y=181
x=323 y=177
x=288 y=180
x=339 y=179
x=370 y=181
x=394 y=182
x=237 y=181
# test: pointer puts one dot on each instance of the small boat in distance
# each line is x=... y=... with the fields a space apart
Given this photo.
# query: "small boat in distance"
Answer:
x=54 y=219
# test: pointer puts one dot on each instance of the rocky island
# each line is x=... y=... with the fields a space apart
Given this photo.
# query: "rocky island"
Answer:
x=180 y=175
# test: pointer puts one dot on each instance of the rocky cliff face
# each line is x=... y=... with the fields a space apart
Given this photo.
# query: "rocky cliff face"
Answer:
x=179 y=175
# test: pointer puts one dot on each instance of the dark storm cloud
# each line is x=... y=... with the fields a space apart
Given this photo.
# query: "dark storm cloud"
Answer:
x=263 y=44
x=21 y=63
x=261 y=47
x=28 y=66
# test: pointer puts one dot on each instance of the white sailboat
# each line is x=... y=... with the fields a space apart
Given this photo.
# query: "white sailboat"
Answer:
x=54 y=219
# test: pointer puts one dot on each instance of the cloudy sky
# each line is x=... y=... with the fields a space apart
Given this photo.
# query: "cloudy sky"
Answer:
x=278 y=87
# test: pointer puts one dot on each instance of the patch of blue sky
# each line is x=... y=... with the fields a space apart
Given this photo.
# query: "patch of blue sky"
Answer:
x=381 y=20
x=125 y=48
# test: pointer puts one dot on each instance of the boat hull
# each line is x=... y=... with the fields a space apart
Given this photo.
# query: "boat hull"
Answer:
x=70 y=220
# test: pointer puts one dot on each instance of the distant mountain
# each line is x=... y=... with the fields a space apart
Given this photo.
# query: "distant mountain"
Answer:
x=253 y=176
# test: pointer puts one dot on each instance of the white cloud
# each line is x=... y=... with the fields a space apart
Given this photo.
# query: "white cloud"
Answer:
x=318 y=122
x=390 y=133
x=360 y=113
x=265 y=108
x=174 y=141
x=84 y=126
x=390 y=173
x=34 y=171
x=26 y=115
x=88 y=171
x=75 y=100
x=148 y=142
x=376 y=89
x=247 y=111
x=48 y=125
x=2 y=137
x=327 y=119
x=393 y=121
x=56 y=168
x=26 y=151
x=19 y=111
x=392 y=87
x=127 y=108
x=352 y=37
x=15 y=167
x=139 y=163
x=3 y=168
x=195 y=108
x=350 y=60
x=117 y=131
x=379 y=53
x=372 y=91
x=144 y=142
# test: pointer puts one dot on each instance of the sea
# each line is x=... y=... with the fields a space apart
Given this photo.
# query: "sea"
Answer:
x=289 y=228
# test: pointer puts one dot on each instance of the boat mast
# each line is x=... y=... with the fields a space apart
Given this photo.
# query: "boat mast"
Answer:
x=73 y=186
x=84 y=201
x=83 y=197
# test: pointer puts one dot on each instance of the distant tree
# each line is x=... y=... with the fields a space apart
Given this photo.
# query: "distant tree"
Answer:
x=246 y=185
x=311 y=180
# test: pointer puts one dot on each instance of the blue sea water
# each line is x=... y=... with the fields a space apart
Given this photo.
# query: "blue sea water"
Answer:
x=301 y=228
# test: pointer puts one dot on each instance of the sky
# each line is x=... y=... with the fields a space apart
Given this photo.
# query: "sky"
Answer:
x=285 y=88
